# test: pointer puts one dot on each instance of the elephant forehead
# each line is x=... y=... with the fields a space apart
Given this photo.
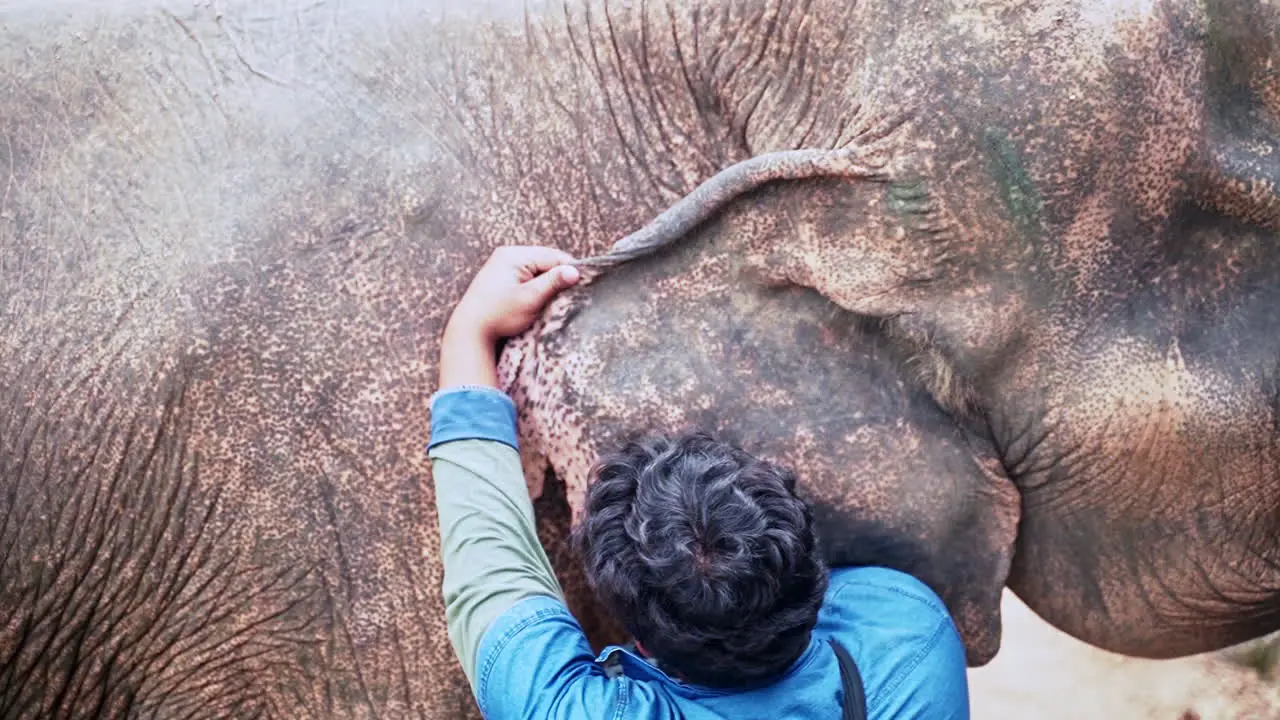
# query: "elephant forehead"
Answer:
x=1082 y=113
x=1137 y=380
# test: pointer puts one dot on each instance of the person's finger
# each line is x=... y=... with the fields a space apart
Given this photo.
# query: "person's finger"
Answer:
x=553 y=281
x=538 y=260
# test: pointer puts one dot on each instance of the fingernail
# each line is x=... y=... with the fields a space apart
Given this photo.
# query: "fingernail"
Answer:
x=570 y=274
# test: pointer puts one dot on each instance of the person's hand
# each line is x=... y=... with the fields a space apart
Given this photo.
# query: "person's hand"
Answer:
x=504 y=299
x=509 y=292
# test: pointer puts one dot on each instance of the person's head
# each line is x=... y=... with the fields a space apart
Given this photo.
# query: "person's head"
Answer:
x=706 y=555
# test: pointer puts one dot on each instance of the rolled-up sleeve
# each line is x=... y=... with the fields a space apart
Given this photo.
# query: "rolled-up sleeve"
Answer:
x=488 y=540
x=536 y=663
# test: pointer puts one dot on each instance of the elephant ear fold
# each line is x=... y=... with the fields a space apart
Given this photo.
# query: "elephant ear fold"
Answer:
x=534 y=370
x=931 y=502
x=976 y=571
x=867 y=236
x=714 y=195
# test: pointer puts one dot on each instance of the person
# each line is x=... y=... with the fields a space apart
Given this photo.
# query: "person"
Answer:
x=703 y=552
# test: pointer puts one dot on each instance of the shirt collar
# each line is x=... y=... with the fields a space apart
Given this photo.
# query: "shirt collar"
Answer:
x=637 y=668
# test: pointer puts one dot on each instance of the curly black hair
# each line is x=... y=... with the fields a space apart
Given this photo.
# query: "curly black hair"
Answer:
x=706 y=555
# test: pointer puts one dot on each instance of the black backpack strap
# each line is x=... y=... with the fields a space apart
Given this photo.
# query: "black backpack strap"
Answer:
x=855 y=699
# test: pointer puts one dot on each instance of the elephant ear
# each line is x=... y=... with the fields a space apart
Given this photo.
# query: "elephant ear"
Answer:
x=531 y=369
x=669 y=340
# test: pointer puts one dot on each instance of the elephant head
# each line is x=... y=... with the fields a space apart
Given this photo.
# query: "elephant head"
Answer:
x=1046 y=262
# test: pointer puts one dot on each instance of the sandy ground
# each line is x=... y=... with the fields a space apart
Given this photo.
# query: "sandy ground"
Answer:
x=1042 y=673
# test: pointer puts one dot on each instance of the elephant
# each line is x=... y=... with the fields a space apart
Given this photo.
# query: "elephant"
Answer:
x=994 y=277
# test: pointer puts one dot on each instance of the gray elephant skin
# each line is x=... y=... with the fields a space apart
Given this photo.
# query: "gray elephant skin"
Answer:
x=998 y=279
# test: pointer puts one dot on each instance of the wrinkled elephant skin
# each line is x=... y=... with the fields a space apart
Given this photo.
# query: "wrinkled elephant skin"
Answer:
x=230 y=232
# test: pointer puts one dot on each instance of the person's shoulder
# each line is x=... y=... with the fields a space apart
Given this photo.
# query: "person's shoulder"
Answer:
x=877 y=585
x=871 y=607
x=535 y=662
x=903 y=640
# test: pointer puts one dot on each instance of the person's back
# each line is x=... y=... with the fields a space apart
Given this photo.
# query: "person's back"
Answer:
x=882 y=616
x=710 y=558
x=704 y=553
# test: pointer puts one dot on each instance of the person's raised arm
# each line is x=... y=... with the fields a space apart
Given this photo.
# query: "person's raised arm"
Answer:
x=488 y=541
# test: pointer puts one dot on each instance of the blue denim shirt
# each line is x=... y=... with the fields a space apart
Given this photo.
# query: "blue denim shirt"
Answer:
x=533 y=660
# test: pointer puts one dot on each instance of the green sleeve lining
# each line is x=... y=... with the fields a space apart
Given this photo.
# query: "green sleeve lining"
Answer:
x=488 y=540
